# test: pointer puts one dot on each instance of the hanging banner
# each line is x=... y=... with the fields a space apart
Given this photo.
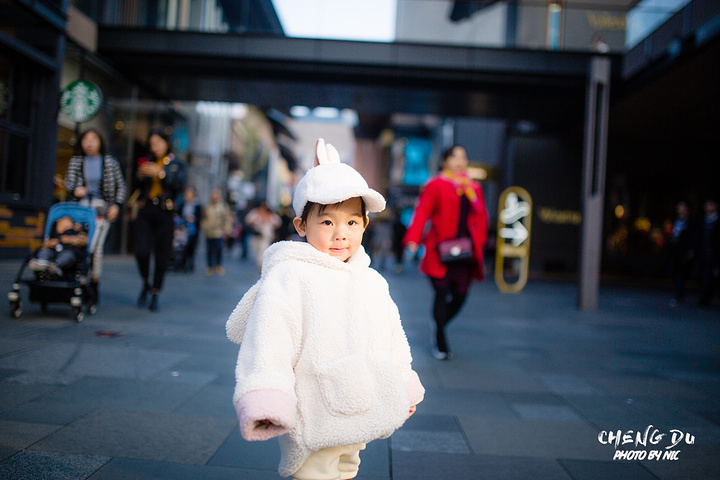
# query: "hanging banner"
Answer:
x=81 y=100
x=512 y=256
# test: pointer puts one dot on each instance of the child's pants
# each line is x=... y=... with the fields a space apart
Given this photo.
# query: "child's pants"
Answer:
x=332 y=463
x=65 y=258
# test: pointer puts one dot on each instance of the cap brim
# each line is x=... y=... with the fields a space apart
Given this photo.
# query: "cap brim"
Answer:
x=374 y=202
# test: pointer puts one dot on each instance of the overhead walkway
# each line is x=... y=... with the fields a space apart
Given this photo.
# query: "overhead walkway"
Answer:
x=368 y=77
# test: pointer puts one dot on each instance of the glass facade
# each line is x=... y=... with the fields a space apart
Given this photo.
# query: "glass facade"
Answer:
x=555 y=25
x=647 y=15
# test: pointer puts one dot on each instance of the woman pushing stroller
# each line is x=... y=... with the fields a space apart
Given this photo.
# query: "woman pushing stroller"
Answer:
x=95 y=178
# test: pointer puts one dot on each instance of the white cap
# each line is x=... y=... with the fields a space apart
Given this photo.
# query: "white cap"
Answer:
x=331 y=181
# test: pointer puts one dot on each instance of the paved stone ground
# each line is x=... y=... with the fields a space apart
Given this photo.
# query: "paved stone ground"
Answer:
x=130 y=394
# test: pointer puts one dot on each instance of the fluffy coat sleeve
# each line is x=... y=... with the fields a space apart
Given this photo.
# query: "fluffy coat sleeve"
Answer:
x=265 y=388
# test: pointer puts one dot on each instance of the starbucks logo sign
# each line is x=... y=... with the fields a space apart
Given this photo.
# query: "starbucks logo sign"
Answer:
x=81 y=100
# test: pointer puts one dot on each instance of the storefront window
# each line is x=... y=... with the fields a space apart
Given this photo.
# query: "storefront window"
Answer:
x=15 y=117
x=15 y=166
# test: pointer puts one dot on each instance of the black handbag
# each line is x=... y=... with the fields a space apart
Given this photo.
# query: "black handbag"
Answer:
x=455 y=250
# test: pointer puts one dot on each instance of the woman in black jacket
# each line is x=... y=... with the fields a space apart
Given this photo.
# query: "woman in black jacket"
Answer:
x=161 y=177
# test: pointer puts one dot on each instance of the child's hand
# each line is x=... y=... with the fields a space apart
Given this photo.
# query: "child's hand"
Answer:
x=263 y=423
x=413 y=408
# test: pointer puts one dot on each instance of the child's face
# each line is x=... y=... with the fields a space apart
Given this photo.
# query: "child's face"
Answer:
x=63 y=223
x=337 y=231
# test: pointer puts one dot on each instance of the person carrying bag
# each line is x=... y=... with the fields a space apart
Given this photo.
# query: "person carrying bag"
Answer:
x=454 y=205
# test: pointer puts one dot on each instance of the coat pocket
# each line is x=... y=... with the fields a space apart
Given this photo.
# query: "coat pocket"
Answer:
x=346 y=386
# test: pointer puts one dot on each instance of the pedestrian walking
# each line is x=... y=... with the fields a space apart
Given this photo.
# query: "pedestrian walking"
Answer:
x=95 y=178
x=190 y=212
x=454 y=205
x=709 y=253
x=217 y=225
x=324 y=362
x=682 y=244
x=161 y=177
x=263 y=223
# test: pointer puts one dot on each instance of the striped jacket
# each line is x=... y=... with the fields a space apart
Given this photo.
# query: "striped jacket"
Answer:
x=112 y=185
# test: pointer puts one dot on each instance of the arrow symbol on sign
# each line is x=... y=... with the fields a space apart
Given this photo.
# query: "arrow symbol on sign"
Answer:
x=517 y=234
x=514 y=209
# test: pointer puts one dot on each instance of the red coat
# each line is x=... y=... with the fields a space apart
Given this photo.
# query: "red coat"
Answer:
x=440 y=203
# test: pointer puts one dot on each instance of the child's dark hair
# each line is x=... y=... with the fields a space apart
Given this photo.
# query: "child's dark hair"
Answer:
x=321 y=208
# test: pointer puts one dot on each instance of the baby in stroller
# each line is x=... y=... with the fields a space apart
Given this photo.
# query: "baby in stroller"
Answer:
x=63 y=250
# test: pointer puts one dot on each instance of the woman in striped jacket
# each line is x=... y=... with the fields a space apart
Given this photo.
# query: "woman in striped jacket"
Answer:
x=95 y=178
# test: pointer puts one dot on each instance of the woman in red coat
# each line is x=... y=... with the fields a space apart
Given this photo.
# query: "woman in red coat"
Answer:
x=455 y=206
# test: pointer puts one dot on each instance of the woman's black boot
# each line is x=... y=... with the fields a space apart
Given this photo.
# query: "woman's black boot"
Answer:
x=142 y=299
x=154 y=303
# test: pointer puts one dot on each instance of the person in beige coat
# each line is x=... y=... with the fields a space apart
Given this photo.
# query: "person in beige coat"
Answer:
x=217 y=225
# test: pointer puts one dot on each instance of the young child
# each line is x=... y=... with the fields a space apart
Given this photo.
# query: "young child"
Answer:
x=63 y=250
x=324 y=362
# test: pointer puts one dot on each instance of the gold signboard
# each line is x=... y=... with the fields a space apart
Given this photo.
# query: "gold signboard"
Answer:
x=512 y=256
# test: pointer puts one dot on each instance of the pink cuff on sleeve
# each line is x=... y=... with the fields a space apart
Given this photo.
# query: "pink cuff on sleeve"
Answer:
x=272 y=405
x=416 y=392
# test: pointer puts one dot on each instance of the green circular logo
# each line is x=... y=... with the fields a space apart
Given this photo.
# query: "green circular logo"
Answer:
x=81 y=100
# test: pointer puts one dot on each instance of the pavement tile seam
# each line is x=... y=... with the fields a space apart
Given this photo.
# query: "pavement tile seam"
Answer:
x=22 y=435
x=141 y=435
x=219 y=446
x=464 y=433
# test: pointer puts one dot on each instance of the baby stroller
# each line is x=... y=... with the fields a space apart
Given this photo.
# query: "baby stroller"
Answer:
x=70 y=287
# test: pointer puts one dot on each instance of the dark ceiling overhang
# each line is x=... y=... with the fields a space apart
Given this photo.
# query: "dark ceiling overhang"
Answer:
x=372 y=78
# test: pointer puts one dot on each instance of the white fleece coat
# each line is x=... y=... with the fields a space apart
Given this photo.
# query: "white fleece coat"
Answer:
x=323 y=354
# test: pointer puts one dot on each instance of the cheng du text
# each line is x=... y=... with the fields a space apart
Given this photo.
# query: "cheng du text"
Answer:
x=651 y=435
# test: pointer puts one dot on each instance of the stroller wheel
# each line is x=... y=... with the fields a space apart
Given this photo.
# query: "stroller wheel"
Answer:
x=16 y=308
x=78 y=314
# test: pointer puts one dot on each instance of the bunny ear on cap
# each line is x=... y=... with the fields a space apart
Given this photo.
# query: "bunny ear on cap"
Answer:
x=325 y=153
x=330 y=181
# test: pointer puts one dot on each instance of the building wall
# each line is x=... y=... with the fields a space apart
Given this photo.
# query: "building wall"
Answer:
x=29 y=75
x=550 y=170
